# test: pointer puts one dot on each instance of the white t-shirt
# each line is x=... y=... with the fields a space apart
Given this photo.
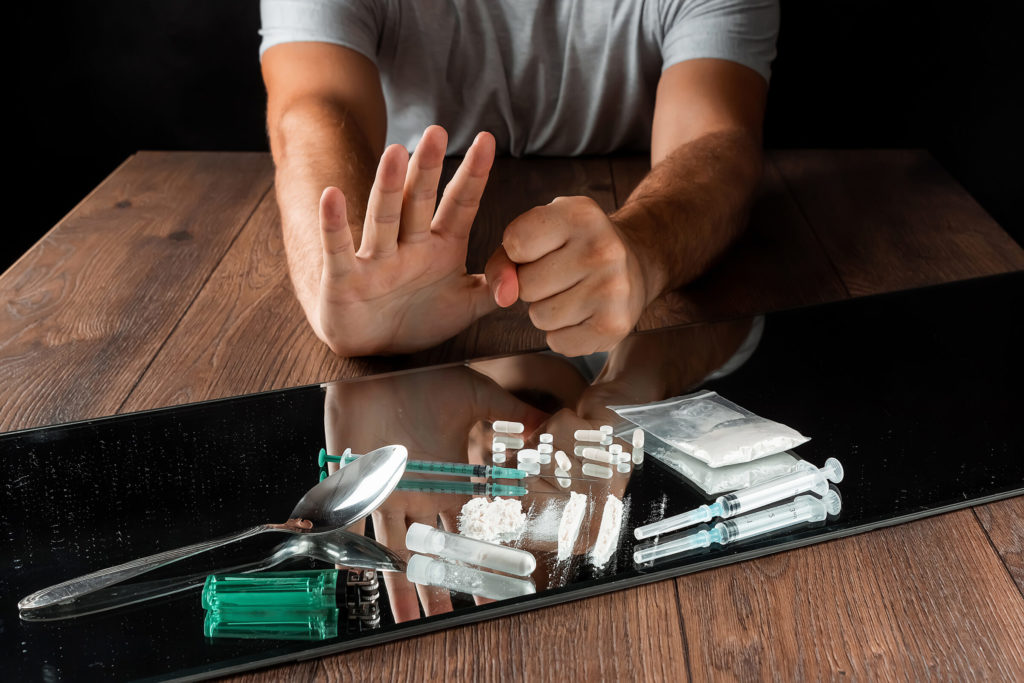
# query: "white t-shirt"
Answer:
x=545 y=77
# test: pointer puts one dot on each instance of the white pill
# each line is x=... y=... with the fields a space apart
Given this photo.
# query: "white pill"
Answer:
x=622 y=457
x=606 y=441
x=615 y=449
x=598 y=455
x=528 y=455
x=498 y=457
x=529 y=467
x=578 y=451
x=545 y=458
x=591 y=435
x=607 y=429
x=545 y=448
x=563 y=460
x=546 y=438
x=623 y=466
x=506 y=427
x=498 y=447
x=638 y=456
x=510 y=441
x=595 y=470
x=561 y=474
x=638 y=438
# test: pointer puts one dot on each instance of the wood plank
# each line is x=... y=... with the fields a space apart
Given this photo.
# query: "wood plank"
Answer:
x=776 y=264
x=894 y=219
x=627 y=635
x=88 y=307
x=927 y=600
x=1004 y=524
x=299 y=671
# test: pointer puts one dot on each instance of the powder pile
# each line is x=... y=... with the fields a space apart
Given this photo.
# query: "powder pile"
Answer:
x=608 y=535
x=569 y=527
x=501 y=519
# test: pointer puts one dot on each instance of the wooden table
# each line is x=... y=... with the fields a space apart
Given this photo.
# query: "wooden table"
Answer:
x=167 y=284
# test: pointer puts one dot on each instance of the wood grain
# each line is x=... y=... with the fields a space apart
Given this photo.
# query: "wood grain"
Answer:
x=894 y=219
x=627 y=635
x=776 y=264
x=1004 y=524
x=88 y=307
x=927 y=600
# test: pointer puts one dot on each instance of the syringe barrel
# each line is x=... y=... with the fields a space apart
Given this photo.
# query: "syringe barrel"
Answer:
x=695 y=539
x=428 y=571
x=807 y=478
x=803 y=509
x=421 y=538
x=695 y=516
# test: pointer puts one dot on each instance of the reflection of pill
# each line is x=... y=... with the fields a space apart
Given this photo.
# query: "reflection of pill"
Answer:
x=623 y=466
x=506 y=427
x=498 y=447
x=615 y=449
x=562 y=474
x=598 y=455
x=546 y=438
x=563 y=460
x=510 y=441
x=545 y=448
x=578 y=450
x=622 y=457
x=594 y=470
x=529 y=467
x=638 y=438
x=606 y=441
x=593 y=435
x=638 y=456
x=528 y=455
x=607 y=429
x=498 y=457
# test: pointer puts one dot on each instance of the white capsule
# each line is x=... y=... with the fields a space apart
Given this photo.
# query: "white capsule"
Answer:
x=598 y=455
x=638 y=456
x=615 y=449
x=546 y=438
x=543 y=448
x=563 y=460
x=562 y=474
x=510 y=441
x=528 y=455
x=498 y=447
x=498 y=457
x=506 y=427
x=529 y=467
x=594 y=470
x=638 y=438
x=607 y=429
x=623 y=466
x=590 y=435
x=621 y=457
x=606 y=441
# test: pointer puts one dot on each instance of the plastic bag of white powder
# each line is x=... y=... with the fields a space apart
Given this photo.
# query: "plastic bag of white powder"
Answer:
x=712 y=429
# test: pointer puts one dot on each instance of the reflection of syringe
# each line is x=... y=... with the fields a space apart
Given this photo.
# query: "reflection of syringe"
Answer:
x=803 y=509
x=464 y=488
x=806 y=478
x=457 y=469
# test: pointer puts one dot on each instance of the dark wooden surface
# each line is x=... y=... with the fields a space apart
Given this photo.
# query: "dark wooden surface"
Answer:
x=167 y=284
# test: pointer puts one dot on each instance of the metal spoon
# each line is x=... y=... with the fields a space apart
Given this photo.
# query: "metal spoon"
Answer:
x=336 y=547
x=350 y=494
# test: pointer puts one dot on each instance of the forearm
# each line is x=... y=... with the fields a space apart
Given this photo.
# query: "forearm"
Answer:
x=316 y=144
x=690 y=207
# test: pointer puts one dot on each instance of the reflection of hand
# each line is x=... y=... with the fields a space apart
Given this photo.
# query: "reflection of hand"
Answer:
x=406 y=288
x=580 y=273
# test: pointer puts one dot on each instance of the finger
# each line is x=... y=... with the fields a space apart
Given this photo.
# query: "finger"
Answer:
x=502 y=278
x=565 y=309
x=384 y=207
x=390 y=530
x=552 y=274
x=538 y=232
x=479 y=296
x=580 y=340
x=421 y=185
x=335 y=235
x=461 y=196
x=492 y=402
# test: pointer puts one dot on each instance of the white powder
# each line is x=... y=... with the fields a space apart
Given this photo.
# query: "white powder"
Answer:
x=501 y=519
x=608 y=535
x=569 y=527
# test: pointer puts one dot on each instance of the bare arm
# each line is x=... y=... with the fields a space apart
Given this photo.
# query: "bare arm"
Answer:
x=326 y=120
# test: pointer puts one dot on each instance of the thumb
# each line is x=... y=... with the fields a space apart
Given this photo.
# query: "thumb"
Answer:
x=502 y=278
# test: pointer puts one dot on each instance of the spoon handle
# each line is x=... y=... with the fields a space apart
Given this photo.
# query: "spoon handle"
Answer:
x=88 y=583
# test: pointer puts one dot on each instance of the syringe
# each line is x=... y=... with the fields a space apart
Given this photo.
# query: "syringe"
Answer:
x=457 y=469
x=803 y=509
x=464 y=488
x=806 y=478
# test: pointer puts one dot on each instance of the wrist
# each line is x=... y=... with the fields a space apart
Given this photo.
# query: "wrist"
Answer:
x=645 y=263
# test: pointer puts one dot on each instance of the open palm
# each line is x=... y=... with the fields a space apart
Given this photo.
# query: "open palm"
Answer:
x=406 y=287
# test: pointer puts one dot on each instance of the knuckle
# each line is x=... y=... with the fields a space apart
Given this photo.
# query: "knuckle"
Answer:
x=607 y=250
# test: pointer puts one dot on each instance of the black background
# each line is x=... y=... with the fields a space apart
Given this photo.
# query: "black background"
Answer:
x=97 y=81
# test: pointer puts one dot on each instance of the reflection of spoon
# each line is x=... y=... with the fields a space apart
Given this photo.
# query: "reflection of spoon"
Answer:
x=336 y=502
x=336 y=547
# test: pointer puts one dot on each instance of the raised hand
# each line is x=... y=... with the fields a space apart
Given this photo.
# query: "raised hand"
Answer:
x=406 y=288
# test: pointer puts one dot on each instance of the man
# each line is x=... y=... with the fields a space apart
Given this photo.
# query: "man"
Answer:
x=384 y=273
